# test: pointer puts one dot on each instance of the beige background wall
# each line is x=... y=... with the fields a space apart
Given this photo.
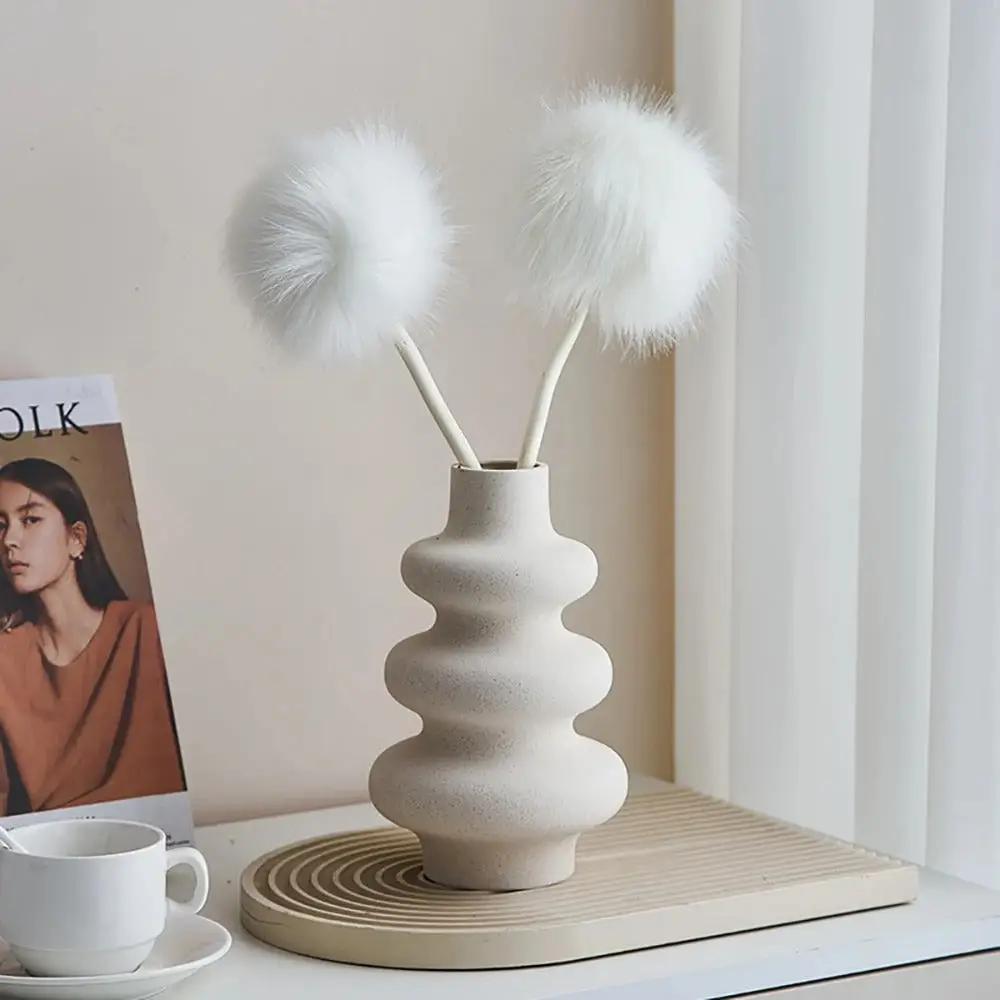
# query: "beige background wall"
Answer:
x=276 y=501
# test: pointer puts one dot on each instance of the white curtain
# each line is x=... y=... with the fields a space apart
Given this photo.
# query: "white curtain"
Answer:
x=838 y=426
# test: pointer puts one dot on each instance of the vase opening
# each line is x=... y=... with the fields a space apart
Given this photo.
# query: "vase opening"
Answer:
x=502 y=465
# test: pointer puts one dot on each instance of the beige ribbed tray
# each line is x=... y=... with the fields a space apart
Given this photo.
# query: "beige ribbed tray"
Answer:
x=671 y=866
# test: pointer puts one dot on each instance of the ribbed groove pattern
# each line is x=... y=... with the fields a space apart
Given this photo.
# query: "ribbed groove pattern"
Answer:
x=663 y=851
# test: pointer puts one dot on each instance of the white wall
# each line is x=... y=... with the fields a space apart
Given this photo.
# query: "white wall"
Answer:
x=275 y=516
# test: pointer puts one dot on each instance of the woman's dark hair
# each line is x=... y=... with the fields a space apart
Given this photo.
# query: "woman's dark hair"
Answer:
x=97 y=580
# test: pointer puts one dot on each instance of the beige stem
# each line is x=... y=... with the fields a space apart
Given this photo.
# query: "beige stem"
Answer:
x=444 y=418
x=546 y=390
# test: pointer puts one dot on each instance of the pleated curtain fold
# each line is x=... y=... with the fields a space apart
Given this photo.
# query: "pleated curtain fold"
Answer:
x=838 y=426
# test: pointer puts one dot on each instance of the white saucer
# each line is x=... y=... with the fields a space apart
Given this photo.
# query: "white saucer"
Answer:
x=188 y=944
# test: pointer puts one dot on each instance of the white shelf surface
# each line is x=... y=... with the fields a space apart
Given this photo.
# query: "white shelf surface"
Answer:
x=949 y=918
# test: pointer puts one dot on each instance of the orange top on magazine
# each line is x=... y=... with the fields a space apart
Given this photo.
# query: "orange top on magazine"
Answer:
x=85 y=711
x=94 y=730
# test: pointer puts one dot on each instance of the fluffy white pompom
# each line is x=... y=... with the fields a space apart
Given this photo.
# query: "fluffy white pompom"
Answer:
x=340 y=242
x=627 y=218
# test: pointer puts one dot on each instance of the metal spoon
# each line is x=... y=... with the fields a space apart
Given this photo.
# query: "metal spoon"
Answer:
x=10 y=843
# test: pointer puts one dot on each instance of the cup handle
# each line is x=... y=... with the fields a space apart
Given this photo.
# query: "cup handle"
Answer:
x=196 y=861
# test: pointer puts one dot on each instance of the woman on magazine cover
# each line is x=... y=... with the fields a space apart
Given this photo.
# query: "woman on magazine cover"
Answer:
x=85 y=711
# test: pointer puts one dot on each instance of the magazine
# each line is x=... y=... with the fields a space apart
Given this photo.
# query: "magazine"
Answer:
x=86 y=721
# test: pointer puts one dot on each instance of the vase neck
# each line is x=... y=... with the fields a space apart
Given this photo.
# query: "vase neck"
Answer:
x=499 y=501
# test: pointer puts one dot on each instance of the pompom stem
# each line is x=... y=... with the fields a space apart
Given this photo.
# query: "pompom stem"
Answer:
x=443 y=417
x=546 y=390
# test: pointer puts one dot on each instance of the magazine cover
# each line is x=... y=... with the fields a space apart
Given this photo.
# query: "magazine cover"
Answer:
x=86 y=722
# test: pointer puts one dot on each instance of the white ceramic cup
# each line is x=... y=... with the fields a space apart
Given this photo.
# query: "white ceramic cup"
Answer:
x=90 y=897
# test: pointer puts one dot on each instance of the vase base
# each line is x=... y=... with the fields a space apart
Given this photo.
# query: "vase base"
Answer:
x=498 y=867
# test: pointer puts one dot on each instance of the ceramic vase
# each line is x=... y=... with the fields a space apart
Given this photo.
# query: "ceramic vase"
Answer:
x=498 y=785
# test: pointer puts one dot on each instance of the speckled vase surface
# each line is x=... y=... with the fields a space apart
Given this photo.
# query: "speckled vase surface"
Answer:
x=499 y=785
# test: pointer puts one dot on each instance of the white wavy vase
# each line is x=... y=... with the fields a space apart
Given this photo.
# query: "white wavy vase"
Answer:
x=498 y=785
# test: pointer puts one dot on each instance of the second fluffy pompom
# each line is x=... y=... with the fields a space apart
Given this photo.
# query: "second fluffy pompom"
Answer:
x=341 y=241
x=627 y=218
